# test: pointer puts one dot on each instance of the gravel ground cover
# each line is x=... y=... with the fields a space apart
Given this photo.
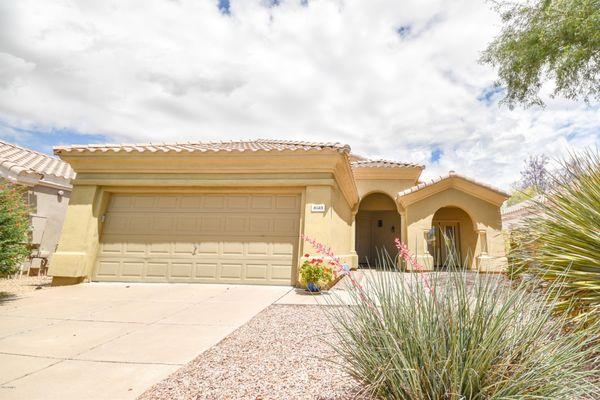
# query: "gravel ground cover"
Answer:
x=280 y=354
x=12 y=287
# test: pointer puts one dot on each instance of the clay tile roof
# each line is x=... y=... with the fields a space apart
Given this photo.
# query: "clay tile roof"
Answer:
x=21 y=160
x=384 y=164
x=203 y=147
x=451 y=174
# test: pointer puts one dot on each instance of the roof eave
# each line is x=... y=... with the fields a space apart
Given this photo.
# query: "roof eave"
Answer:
x=480 y=190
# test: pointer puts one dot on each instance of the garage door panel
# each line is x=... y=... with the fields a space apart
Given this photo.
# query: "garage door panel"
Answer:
x=280 y=273
x=200 y=238
x=257 y=271
x=132 y=269
x=258 y=249
x=289 y=203
x=181 y=270
x=210 y=223
x=213 y=202
x=163 y=223
x=238 y=202
x=120 y=203
x=262 y=202
x=149 y=246
x=285 y=226
x=233 y=248
x=231 y=271
x=206 y=271
x=108 y=268
x=115 y=224
x=159 y=249
x=157 y=271
x=260 y=224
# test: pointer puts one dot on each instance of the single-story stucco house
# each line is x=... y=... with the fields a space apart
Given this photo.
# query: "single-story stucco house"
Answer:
x=234 y=212
x=48 y=183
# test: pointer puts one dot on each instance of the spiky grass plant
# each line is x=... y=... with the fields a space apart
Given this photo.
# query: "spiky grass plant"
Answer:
x=562 y=243
x=458 y=336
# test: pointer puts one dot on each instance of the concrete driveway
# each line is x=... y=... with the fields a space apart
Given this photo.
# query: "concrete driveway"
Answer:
x=114 y=340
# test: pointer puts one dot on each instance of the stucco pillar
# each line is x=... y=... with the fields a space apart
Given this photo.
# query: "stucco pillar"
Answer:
x=416 y=231
x=329 y=227
x=490 y=253
x=74 y=259
x=317 y=225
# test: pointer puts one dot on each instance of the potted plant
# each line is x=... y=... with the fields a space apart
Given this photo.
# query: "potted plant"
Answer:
x=314 y=273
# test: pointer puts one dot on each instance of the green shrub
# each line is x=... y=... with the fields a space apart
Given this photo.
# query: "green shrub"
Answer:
x=314 y=270
x=458 y=336
x=562 y=243
x=14 y=228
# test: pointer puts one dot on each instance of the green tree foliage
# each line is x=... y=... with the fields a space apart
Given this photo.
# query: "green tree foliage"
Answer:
x=543 y=40
x=14 y=228
x=561 y=243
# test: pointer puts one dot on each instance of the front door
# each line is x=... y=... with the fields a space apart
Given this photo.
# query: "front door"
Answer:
x=375 y=234
x=447 y=249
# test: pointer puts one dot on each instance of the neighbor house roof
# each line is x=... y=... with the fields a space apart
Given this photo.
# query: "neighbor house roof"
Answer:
x=524 y=206
x=384 y=164
x=22 y=161
x=450 y=175
x=203 y=147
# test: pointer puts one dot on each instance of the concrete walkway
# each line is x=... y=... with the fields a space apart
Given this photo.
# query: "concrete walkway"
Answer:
x=114 y=340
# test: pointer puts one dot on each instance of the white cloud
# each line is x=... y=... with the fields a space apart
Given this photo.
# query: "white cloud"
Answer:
x=159 y=70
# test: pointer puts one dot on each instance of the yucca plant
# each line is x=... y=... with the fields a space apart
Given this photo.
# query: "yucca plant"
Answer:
x=562 y=242
x=460 y=335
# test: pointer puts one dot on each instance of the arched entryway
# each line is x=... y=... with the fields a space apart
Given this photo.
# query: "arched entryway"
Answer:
x=452 y=240
x=377 y=225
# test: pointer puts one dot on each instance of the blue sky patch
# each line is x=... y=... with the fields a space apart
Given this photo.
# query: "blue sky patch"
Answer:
x=224 y=6
x=403 y=31
x=436 y=154
x=490 y=94
x=44 y=140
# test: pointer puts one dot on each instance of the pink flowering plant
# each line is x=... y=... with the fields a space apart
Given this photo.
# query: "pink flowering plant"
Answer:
x=317 y=271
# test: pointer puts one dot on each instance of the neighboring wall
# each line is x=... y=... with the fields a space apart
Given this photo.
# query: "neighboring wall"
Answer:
x=48 y=216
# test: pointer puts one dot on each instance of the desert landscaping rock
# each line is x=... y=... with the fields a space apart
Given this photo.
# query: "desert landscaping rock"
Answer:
x=23 y=284
x=283 y=353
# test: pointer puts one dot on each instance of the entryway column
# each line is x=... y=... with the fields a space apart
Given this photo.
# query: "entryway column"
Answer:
x=74 y=259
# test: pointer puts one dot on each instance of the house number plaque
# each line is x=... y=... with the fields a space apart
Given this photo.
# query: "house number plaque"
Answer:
x=317 y=208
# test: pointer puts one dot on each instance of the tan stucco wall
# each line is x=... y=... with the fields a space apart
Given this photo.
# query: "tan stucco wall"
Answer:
x=377 y=202
x=78 y=244
x=50 y=210
x=486 y=216
x=391 y=187
x=333 y=228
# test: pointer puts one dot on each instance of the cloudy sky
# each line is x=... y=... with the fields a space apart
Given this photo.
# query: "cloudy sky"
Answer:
x=394 y=79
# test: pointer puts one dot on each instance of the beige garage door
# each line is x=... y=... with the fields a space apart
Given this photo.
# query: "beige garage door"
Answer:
x=242 y=238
